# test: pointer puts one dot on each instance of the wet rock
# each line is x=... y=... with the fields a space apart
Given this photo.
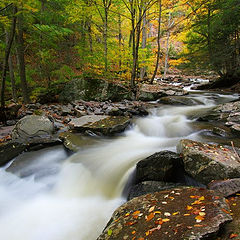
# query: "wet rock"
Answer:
x=66 y=110
x=220 y=131
x=179 y=100
x=74 y=142
x=236 y=129
x=100 y=125
x=179 y=213
x=223 y=112
x=149 y=187
x=161 y=166
x=10 y=122
x=150 y=96
x=226 y=187
x=79 y=113
x=33 y=127
x=207 y=162
x=10 y=150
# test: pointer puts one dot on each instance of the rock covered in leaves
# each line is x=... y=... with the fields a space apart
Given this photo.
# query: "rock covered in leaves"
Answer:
x=33 y=127
x=161 y=166
x=100 y=125
x=179 y=213
x=207 y=162
x=226 y=187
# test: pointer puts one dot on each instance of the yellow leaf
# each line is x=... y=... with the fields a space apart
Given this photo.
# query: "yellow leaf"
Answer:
x=166 y=220
x=201 y=198
x=151 y=208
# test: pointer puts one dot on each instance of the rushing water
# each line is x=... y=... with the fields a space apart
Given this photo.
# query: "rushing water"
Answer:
x=72 y=199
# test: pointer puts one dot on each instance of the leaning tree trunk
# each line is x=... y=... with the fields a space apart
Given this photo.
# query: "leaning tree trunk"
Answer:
x=158 y=41
x=5 y=63
x=21 y=60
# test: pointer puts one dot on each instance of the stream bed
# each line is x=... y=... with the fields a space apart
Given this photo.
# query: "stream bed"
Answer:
x=52 y=196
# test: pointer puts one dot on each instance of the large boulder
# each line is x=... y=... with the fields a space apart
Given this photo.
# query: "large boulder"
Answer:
x=179 y=213
x=149 y=187
x=33 y=127
x=161 y=166
x=207 y=162
x=93 y=89
x=10 y=150
x=100 y=125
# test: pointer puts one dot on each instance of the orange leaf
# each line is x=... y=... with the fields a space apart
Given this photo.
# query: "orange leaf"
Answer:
x=233 y=235
x=189 y=207
x=133 y=232
x=199 y=218
x=150 y=216
x=226 y=211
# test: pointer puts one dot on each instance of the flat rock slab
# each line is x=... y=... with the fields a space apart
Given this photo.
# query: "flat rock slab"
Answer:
x=226 y=187
x=74 y=142
x=100 y=125
x=179 y=213
x=207 y=162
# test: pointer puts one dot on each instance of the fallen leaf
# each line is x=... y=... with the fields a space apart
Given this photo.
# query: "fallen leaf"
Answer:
x=202 y=214
x=166 y=220
x=175 y=213
x=151 y=208
x=201 y=198
x=199 y=218
x=109 y=232
x=167 y=214
x=233 y=235
x=149 y=217
x=189 y=207
x=133 y=232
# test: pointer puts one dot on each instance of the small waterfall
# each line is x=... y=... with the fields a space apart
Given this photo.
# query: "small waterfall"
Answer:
x=76 y=200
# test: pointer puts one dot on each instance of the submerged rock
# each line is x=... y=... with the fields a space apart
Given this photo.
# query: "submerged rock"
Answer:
x=100 y=125
x=161 y=166
x=179 y=213
x=33 y=128
x=207 y=162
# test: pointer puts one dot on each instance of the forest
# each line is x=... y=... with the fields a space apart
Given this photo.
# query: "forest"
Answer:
x=46 y=43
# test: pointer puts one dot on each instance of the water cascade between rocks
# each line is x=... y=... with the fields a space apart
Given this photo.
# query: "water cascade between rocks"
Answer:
x=61 y=198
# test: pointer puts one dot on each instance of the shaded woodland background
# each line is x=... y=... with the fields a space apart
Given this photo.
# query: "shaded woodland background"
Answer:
x=46 y=43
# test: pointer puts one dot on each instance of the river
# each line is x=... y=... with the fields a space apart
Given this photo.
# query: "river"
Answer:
x=72 y=198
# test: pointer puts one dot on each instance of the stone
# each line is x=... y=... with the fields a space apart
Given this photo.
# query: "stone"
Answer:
x=179 y=100
x=149 y=187
x=30 y=127
x=12 y=111
x=161 y=166
x=235 y=129
x=100 y=125
x=65 y=110
x=207 y=162
x=74 y=142
x=226 y=187
x=10 y=150
x=93 y=89
x=178 y=213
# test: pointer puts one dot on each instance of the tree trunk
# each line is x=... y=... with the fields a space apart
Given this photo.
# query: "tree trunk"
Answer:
x=158 y=41
x=5 y=63
x=143 y=70
x=21 y=60
x=134 y=64
x=105 y=36
x=120 y=40
x=11 y=72
x=167 y=48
